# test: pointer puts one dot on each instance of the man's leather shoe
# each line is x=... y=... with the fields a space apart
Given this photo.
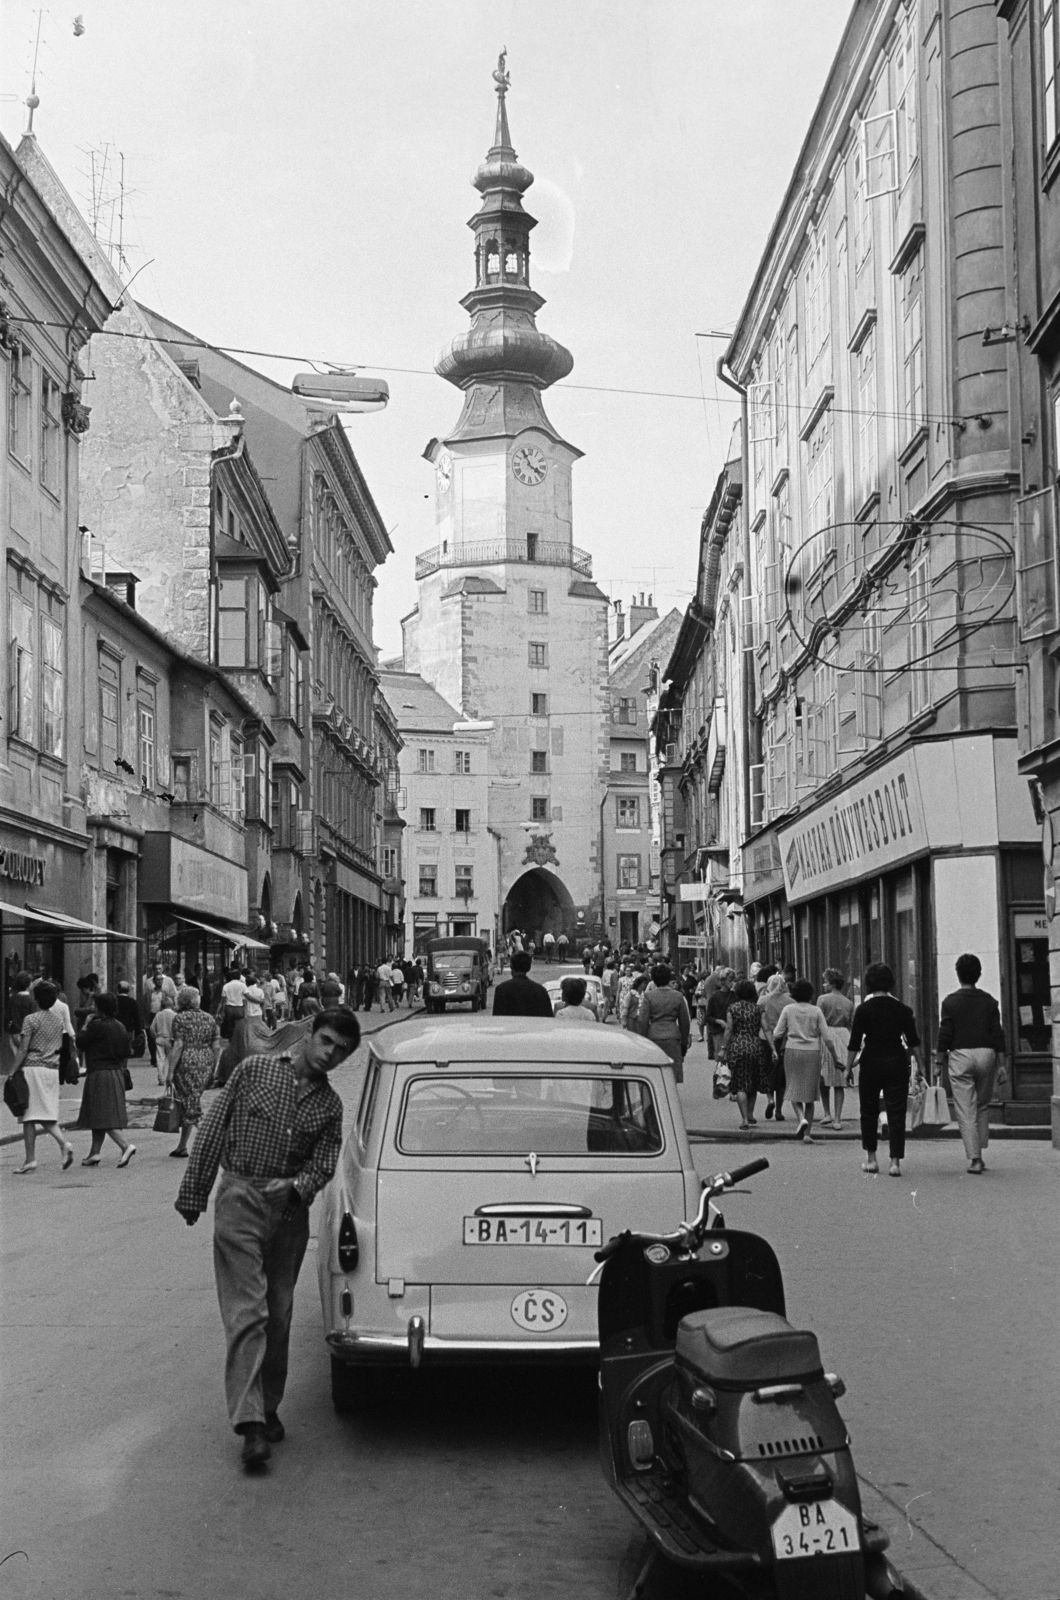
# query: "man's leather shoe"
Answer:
x=274 y=1428
x=256 y=1449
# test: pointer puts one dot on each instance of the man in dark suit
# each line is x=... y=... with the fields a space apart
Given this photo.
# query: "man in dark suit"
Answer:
x=519 y=995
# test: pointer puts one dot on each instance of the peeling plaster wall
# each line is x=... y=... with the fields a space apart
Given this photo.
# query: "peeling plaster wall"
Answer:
x=145 y=479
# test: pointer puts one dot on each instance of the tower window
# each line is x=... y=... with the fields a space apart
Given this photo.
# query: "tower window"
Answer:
x=511 y=263
x=539 y=761
x=539 y=808
x=539 y=705
x=538 y=654
x=538 y=598
x=493 y=259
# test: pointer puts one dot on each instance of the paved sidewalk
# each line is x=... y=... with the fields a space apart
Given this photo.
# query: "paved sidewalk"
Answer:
x=143 y=1097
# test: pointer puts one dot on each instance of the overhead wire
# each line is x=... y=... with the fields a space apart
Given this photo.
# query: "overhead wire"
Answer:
x=940 y=419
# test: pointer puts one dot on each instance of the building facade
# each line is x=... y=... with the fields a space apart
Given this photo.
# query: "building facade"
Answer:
x=1029 y=335
x=629 y=814
x=888 y=816
x=444 y=794
x=509 y=626
x=51 y=302
x=702 y=740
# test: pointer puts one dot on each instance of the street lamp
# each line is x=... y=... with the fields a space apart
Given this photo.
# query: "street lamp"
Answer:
x=342 y=390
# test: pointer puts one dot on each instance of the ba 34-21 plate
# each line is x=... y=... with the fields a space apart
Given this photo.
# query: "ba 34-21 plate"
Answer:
x=820 y=1528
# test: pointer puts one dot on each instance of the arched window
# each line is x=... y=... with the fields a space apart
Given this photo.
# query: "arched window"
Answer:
x=511 y=263
x=493 y=259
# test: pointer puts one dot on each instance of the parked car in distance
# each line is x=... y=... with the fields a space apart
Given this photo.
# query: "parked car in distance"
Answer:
x=485 y=1164
x=594 y=993
x=459 y=971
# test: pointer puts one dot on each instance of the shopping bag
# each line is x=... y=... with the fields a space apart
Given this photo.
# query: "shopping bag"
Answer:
x=917 y=1101
x=167 y=1117
x=16 y=1093
x=936 y=1106
x=722 y=1080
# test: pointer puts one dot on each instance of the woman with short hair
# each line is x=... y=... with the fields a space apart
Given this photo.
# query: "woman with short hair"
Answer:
x=803 y=1028
x=38 y=1055
x=838 y=1010
x=746 y=1047
x=192 y=1058
x=884 y=1031
x=106 y=1047
x=571 y=1008
x=663 y=1018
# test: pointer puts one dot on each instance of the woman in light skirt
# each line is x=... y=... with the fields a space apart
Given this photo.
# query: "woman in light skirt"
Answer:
x=804 y=1030
x=38 y=1056
x=838 y=1011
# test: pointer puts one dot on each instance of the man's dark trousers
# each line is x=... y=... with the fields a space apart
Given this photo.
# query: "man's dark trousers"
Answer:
x=257 y=1255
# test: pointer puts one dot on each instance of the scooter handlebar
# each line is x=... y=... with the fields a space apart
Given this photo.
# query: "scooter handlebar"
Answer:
x=740 y=1173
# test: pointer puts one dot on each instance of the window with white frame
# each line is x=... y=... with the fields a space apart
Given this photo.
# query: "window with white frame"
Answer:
x=428 y=884
x=861 y=209
x=426 y=760
x=463 y=763
x=919 y=638
x=778 y=775
x=625 y=710
x=20 y=403
x=539 y=761
x=913 y=343
x=52 y=702
x=22 y=700
x=218 y=787
x=818 y=298
x=428 y=822
x=870 y=680
x=780 y=400
x=629 y=872
x=537 y=653
x=1051 y=71
x=237 y=766
x=904 y=66
x=819 y=492
x=538 y=602
x=823 y=730
x=866 y=420
x=465 y=882
x=145 y=728
x=390 y=861
x=539 y=808
x=628 y=811
x=463 y=819
x=51 y=434
x=627 y=761
x=539 y=705
x=109 y=672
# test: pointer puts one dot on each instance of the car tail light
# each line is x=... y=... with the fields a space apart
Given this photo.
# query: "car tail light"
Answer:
x=349 y=1249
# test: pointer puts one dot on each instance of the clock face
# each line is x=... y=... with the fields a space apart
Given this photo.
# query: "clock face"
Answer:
x=529 y=465
x=444 y=468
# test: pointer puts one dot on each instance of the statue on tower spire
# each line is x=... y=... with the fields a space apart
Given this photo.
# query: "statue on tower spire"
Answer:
x=502 y=139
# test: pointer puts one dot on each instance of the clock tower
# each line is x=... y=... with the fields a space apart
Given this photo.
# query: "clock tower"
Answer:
x=510 y=626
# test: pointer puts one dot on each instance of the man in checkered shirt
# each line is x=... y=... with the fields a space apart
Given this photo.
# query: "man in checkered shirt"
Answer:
x=276 y=1131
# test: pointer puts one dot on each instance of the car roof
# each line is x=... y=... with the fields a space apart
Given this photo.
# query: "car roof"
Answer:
x=515 y=1040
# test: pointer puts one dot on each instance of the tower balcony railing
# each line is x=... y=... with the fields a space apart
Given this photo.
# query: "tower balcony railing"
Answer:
x=492 y=552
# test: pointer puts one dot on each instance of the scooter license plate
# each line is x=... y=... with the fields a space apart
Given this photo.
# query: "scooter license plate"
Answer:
x=817 y=1528
x=532 y=1230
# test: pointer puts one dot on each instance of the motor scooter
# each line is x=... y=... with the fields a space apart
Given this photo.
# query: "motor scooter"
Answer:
x=719 y=1428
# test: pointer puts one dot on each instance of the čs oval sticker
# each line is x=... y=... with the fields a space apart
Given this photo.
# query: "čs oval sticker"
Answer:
x=539 y=1310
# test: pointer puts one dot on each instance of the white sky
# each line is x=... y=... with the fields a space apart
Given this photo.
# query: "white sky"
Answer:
x=298 y=175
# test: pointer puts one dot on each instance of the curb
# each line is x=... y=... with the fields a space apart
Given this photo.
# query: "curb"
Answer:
x=147 y=1101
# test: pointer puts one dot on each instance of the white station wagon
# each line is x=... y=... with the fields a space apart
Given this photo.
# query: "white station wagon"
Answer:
x=485 y=1165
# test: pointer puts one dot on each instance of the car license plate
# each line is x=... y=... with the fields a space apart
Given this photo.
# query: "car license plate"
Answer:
x=533 y=1230
x=821 y=1528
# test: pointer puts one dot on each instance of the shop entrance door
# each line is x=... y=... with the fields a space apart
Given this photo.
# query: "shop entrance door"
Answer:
x=1032 y=1052
x=628 y=926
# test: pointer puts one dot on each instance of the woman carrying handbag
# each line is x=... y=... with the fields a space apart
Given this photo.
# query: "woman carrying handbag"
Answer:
x=40 y=1043
x=884 y=1032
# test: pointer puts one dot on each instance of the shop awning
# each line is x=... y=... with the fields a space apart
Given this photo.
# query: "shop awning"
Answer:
x=72 y=929
x=223 y=934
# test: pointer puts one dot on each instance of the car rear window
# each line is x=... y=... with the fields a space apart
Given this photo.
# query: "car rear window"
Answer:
x=504 y=1114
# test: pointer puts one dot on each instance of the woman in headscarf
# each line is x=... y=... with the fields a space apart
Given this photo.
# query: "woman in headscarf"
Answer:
x=192 y=1058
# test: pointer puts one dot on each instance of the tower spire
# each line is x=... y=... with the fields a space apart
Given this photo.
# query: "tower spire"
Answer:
x=503 y=342
x=502 y=139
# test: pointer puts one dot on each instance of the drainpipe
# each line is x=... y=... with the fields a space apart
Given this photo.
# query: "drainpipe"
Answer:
x=746 y=627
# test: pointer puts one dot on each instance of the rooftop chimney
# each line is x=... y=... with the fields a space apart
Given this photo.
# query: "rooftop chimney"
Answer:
x=640 y=614
x=619 y=623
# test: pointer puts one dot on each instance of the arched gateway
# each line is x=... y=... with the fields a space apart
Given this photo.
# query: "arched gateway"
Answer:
x=539 y=903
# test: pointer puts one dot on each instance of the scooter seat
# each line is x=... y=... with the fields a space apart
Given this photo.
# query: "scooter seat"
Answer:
x=747 y=1348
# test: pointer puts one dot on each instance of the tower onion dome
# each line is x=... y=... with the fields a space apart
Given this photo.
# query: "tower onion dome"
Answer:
x=503 y=342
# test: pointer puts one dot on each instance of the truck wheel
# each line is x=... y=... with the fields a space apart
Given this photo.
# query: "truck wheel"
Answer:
x=475 y=1003
x=347 y=1387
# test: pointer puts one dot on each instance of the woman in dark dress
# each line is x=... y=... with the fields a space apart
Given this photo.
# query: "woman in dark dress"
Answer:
x=747 y=1048
x=106 y=1047
x=884 y=1031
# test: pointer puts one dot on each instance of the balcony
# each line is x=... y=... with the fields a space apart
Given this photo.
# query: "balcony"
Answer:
x=494 y=552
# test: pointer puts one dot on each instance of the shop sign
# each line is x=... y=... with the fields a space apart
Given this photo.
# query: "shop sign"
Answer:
x=694 y=891
x=762 y=866
x=1030 y=925
x=176 y=872
x=21 y=867
x=357 y=884
x=872 y=825
x=691 y=941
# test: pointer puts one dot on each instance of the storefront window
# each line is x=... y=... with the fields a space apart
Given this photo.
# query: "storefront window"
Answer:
x=1033 y=993
x=906 y=966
